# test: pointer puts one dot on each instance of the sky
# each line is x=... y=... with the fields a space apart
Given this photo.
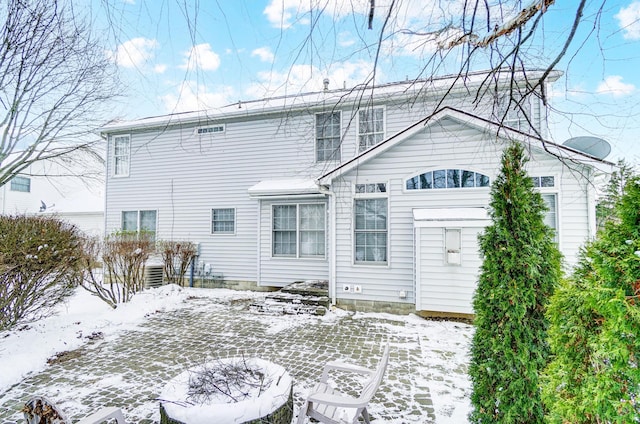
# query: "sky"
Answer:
x=185 y=55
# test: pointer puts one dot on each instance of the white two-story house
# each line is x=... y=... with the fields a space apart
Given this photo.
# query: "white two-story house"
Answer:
x=381 y=191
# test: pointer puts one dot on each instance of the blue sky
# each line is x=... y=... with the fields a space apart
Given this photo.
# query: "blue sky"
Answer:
x=179 y=55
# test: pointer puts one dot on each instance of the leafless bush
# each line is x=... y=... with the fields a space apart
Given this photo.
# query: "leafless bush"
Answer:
x=236 y=380
x=177 y=257
x=40 y=265
x=92 y=281
x=124 y=257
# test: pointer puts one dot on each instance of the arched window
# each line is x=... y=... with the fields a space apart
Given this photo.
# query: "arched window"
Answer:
x=447 y=178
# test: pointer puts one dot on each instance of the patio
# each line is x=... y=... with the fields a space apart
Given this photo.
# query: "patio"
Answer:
x=426 y=381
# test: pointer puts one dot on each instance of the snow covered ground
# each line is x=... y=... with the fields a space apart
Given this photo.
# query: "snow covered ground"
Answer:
x=442 y=367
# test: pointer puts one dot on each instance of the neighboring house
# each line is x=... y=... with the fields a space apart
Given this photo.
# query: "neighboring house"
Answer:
x=52 y=188
x=382 y=192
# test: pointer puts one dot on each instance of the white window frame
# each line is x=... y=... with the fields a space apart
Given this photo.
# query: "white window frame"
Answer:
x=115 y=157
x=449 y=251
x=512 y=117
x=210 y=130
x=446 y=169
x=139 y=213
x=338 y=155
x=371 y=196
x=213 y=231
x=382 y=133
x=554 y=190
x=298 y=231
x=18 y=182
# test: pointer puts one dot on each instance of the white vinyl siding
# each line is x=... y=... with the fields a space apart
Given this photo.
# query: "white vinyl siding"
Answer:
x=121 y=155
x=370 y=127
x=328 y=132
x=473 y=151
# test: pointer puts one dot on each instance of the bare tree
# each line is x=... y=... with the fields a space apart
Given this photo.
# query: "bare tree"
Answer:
x=55 y=79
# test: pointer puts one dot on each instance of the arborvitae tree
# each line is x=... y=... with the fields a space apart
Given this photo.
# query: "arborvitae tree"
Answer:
x=605 y=209
x=520 y=269
x=594 y=332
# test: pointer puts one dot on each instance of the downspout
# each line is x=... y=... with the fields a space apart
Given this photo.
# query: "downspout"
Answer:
x=259 y=243
x=332 y=242
x=591 y=204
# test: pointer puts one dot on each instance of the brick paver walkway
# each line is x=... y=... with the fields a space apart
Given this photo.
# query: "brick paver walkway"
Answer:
x=130 y=369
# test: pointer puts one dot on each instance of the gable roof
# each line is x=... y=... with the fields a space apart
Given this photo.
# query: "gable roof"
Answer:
x=471 y=120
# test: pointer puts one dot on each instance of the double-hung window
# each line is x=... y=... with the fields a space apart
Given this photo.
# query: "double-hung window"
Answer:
x=370 y=127
x=371 y=230
x=547 y=184
x=121 y=155
x=328 y=136
x=139 y=221
x=513 y=112
x=223 y=221
x=22 y=184
x=299 y=230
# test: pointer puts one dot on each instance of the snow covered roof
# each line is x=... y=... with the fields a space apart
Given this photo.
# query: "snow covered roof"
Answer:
x=293 y=101
x=284 y=187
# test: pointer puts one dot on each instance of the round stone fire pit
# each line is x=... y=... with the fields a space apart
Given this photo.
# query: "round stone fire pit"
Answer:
x=229 y=391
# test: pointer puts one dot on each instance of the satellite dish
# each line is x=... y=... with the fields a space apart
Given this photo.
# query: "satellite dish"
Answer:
x=593 y=146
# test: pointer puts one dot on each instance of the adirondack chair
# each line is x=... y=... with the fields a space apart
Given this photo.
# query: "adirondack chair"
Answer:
x=329 y=406
x=40 y=410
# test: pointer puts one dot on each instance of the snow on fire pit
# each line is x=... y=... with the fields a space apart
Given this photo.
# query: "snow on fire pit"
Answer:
x=232 y=390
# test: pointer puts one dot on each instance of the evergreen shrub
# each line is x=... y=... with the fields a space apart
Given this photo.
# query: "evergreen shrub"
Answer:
x=520 y=269
x=595 y=326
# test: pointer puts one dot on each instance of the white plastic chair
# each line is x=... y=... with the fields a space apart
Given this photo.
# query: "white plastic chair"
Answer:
x=329 y=406
x=40 y=410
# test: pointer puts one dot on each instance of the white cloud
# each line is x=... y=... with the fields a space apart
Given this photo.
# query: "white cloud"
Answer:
x=160 y=68
x=191 y=96
x=284 y=13
x=264 y=53
x=202 y=57
x=305 y=78
x=613 y=85
x=134 y=53
x=629 y=19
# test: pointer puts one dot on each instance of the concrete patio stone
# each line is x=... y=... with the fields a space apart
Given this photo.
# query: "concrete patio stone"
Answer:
x=130 y=369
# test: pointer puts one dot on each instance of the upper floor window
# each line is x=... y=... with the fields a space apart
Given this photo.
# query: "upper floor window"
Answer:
x=447 y=178
x=139 y=221
x=513 y=112
x=328 y=136
x=19 y=183
x=370 y=127
x=299 y=230
x=223 y=221
x=121 y=149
